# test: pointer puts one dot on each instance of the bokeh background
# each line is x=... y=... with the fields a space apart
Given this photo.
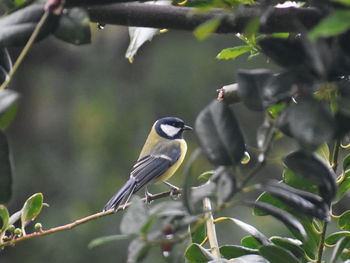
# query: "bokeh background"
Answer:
x=84 y=114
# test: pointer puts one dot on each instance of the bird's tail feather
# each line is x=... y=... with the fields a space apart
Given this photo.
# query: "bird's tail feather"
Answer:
x=122 y=195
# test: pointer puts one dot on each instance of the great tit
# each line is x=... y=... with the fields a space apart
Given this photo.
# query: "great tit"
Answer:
x=161 y=155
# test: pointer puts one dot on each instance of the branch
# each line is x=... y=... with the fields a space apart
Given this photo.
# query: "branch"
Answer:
x=81 y=220
x=185 y=18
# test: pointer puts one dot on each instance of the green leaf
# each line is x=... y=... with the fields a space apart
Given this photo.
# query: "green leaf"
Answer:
x=277 y=255
x=301 y=201
x=333 y=238
x=226 y=186
x=344 y=186
x=250 y=87
x=138 y=250
x=335 y=23
x=289 y=244
x=206 y=29
x=346 y=163
x=260 y=237
x=268 y=198
x=4 y=219
x=198 y=254
x=7 y=98
x=311 y=166
x=219 y=134
x=8 y=116
x=199 y=234
x=17 y=27
x=250 y=242
x=344 y=221
x=106 y=239
x=323 y=151
x=233 y=52
x=31 y=209
x=135 y=217
x=5 y=60
x=310 y=122
x=290 y=178
x=149 y=224
x=343 y=243
x=284 y=217
x=276 y=109
x=231 y=251
x=206 y=175
x=5 y=170
x=74 y=27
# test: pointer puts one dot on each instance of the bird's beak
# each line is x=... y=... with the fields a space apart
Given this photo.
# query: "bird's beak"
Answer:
x=187 y=128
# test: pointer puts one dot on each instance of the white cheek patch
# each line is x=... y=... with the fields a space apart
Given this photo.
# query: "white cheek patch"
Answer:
x=169 y=130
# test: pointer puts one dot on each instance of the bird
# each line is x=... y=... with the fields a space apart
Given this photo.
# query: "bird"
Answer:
x=160 y=157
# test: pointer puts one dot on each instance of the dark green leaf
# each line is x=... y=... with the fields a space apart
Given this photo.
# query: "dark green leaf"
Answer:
x=16 y=28
x=250 y=87
x=5 y=60
x=313 y=167
x=198 y=232
x=343 y=243
x=7 y=98
x=276 y=109
x=301 y=201
x=260 y=237
x=233 y=52
x=289 y=244
x=283 y=216
x=335 y=23
x=285 y=52
x=344 y=221
x=4 y=219
x=230 y=251
x=138 y=250
x=310 y=122
x=277 y=255
x=333 y=238
x=31 y=209
x=74 y=27
x=103 y=240
x=250 y=242
x=249 y=259
x=148 y=225
x=268 y=198
x=198 y=254
x=220 y=135
x=206 y=29
x=135 y=217
x=5 y=170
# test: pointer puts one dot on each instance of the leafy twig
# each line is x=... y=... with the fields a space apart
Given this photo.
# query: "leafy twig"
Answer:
x=79 y=221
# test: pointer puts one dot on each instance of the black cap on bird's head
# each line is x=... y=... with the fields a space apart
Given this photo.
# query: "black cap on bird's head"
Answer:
x=171 y=127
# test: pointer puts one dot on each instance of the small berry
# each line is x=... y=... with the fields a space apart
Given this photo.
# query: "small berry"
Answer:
x=38 y=227
x=168 y=230
x=17 y=232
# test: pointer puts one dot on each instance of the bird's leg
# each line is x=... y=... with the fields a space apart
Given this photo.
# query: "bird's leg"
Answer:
x=174 y=190
x=148 y=196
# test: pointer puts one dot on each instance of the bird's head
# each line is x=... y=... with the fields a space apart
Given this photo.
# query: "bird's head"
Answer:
x=171 y=127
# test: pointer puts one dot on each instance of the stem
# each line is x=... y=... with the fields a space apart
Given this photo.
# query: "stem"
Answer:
x=334 y=164
x=321 y=245
x=211 y=232
x=26 y=48
x=77 y=222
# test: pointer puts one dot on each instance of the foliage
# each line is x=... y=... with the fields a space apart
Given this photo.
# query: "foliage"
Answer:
x=306 y=101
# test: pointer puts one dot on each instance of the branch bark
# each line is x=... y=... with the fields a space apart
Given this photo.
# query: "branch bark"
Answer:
x=185 y=18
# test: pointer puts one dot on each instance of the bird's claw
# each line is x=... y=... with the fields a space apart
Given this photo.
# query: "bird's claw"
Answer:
x=149 y=197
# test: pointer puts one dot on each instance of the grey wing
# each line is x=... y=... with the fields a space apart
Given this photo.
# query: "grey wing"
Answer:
x=154 y=165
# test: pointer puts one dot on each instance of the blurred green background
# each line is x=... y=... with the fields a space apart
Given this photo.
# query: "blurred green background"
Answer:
x=84 y=114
